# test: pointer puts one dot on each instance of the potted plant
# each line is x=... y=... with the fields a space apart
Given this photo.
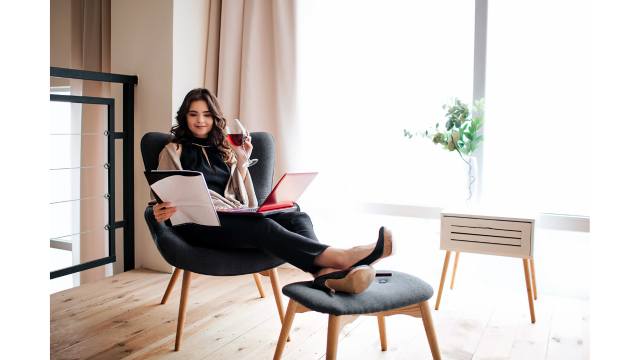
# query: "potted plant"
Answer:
x=460 y=133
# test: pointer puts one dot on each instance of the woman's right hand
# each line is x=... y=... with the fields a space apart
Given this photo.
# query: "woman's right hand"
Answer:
x=162 y=212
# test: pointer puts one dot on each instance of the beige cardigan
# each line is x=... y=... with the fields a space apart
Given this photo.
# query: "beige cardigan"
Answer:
x=237 y=194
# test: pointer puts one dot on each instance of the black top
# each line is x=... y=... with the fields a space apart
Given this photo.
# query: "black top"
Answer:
x=193 y=158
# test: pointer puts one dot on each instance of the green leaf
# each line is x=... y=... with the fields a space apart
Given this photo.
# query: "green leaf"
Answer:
x=464 y=151
x=456 y=136
x=451 y=146
x=475 y=108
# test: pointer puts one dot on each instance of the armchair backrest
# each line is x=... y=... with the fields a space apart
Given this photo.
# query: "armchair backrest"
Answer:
x=264 y=149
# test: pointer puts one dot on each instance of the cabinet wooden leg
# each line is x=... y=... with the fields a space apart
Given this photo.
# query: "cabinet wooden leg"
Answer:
x=529 y=295
x=427 y=320
x=275 y=285
x=256 y=277
x=286 y=328
x=172 y=283
x=332 y=337
x=443 y=277
x=533 y=279
x=182 y=314
x=455 y=267
x=382 y=327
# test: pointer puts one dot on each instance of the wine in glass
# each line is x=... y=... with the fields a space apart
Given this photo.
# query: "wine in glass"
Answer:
x=237 y=135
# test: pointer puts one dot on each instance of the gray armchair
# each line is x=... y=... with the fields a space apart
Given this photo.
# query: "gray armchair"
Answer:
x=190 y=259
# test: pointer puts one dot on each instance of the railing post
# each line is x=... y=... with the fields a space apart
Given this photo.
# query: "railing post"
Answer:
x=128 y=148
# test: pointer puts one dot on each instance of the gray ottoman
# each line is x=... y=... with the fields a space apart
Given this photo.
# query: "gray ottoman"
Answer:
x=399 y=294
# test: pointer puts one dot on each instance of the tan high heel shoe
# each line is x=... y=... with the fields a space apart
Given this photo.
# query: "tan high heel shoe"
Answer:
x=352 y=281
x=385 y=247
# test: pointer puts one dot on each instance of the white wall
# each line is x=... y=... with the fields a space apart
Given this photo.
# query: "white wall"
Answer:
x=190 y=31
x=165 y=45
x=60 y=38
x=142 y=44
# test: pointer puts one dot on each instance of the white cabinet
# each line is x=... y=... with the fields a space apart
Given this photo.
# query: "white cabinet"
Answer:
x=476 y=231
x=492 y=232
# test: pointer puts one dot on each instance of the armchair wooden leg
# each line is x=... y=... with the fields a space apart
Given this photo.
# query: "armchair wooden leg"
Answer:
x=427 y=320
x=382 y=327
x=286 y=328
x=443 y=277
x=332 y=337
x=184 y=298
x=528 y=280
x=533 y=279
x=172 y=283
x=275 y=285
x=256 y=277
x=455 y=267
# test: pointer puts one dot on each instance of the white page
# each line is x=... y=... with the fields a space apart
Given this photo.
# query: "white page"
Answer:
x=191 y=196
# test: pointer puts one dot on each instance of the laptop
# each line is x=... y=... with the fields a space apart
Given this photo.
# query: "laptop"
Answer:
x=282 y=198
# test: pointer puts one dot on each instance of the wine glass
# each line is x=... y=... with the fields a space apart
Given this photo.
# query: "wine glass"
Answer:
x=237 y=135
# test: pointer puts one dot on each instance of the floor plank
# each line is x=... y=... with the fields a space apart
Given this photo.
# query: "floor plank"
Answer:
x=565 y=336
x=364 y=341
x=128 y=322
x=64 y=300
x=530 y=342
x=466 y=335
x=586 y=325
x=498 y=336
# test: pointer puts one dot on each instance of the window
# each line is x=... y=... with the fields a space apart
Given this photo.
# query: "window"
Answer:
x=537 y=148
x=368 y=70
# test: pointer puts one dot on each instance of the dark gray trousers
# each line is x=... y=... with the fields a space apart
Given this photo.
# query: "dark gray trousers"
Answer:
x=287 y=236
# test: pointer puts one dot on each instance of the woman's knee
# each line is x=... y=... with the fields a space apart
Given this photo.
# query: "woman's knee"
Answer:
x=301 y=218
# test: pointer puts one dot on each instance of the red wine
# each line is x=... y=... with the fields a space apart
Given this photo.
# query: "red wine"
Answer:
x=236 y=139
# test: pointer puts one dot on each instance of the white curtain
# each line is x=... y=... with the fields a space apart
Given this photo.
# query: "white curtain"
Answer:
x=251 y=67
x=91 y=50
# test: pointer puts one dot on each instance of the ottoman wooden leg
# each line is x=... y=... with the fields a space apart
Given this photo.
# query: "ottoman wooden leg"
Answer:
x=286 y=327
x=455 y=267
x=382 y=326
x=528 y=280
x=443 y=277
x=427 y=320
x=332 y=337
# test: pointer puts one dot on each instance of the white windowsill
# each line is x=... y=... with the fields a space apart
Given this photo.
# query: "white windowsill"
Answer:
x=546 y=221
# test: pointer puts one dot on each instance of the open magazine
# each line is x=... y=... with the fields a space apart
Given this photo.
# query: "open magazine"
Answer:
x=186 y=190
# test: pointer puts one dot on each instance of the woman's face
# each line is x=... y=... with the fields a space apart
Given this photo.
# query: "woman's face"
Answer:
x=199 y=119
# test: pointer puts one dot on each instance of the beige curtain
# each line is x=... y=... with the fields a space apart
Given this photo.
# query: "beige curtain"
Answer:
x=251 y=67
x=91 y=50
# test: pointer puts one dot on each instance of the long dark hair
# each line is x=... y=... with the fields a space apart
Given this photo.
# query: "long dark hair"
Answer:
x=217 y=136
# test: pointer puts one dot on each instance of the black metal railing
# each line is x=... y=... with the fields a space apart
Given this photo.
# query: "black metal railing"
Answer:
x=127 y=223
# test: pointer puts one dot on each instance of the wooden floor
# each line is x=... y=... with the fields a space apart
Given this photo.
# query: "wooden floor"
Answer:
x=121 y=317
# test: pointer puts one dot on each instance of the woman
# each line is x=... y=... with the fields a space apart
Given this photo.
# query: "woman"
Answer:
x=200 y=144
